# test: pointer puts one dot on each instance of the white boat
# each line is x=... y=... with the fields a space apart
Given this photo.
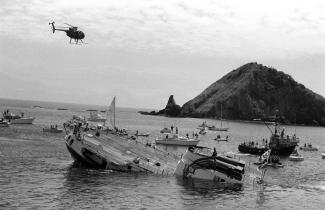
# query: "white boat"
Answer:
x=23 y=120
x=96 y=117
x=4 y=123
x=175 y=139
x=199 y=164
x=296 y=157
x=214 y=128
x=323 y=155
x=166 y=130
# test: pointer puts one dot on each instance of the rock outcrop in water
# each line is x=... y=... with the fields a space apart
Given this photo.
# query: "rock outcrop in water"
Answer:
x=256 y=91
x=171 y=109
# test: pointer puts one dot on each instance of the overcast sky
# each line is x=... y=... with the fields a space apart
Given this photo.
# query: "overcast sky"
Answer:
x=142 y=51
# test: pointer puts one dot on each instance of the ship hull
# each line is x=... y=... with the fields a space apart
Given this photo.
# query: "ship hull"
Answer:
x=251 y=150
x=28 y=120
x=259 y=151
x=178 y=142
x=196 y=166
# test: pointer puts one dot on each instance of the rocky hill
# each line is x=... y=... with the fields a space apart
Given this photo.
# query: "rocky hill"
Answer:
x=171 y=109
x=256 y=91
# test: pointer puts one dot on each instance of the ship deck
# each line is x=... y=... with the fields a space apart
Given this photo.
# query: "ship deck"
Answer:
x=121 y=150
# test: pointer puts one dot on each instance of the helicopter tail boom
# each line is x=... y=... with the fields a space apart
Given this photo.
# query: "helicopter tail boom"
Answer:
x=53 y=27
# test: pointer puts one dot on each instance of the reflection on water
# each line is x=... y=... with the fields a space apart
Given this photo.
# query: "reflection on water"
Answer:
x=204 y=187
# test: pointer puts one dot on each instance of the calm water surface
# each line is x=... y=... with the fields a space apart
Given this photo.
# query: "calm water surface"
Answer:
x=40 y=174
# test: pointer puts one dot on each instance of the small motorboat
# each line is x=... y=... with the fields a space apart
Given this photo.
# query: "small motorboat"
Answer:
x=323 y=155
x=166 y=130
x=214 y=128
x=202 y=131
x=308 y=147
x=142 y=134
x=296 y=157
x=4 y=123
x=53 y=129
x=201 y=163
x=177 y=140
x=219 y=138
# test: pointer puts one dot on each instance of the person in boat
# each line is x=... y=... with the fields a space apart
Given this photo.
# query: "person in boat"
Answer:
x=167 y=136
x=218 y=136
x=196 y=135
x=214 y=154
x=176 y=130
x=282 y=133
x=136 y=132
x=172 y=128
x=187 y=136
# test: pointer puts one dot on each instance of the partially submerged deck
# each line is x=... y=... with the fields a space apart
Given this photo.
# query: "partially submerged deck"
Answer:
x=121 y=150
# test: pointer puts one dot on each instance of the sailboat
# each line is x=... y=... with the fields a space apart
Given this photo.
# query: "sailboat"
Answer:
x=110 y=113
x=214 y=128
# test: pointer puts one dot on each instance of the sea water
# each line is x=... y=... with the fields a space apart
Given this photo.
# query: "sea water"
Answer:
x=40 y=173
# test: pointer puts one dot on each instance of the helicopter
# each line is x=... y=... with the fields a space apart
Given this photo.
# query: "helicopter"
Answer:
x=71 y=32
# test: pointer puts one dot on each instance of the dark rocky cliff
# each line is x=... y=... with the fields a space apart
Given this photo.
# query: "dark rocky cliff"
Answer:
x=171 y=109
x=256 y=91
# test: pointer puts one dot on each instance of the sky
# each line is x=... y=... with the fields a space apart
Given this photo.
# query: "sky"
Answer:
x=143 y=51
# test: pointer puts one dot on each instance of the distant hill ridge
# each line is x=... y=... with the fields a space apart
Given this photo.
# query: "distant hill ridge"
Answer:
x=256 y=91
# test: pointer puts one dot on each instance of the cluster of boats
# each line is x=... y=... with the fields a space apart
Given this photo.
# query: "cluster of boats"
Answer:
x=99 y=146
x=105 y=148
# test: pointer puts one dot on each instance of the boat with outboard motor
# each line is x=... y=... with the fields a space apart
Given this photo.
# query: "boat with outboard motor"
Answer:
x=175 y=139
x=165 y=130
x=295 y=156
x=202 y=163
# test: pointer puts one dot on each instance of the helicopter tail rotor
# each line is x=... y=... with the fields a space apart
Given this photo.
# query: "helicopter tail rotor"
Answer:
x=53 y=28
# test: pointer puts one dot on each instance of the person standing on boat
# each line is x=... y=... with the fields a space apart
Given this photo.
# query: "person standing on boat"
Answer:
x=172 y=128
x=176 y=130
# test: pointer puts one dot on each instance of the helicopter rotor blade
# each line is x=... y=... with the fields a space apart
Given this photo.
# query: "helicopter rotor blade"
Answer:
x=75 y=27
x=69 y=24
